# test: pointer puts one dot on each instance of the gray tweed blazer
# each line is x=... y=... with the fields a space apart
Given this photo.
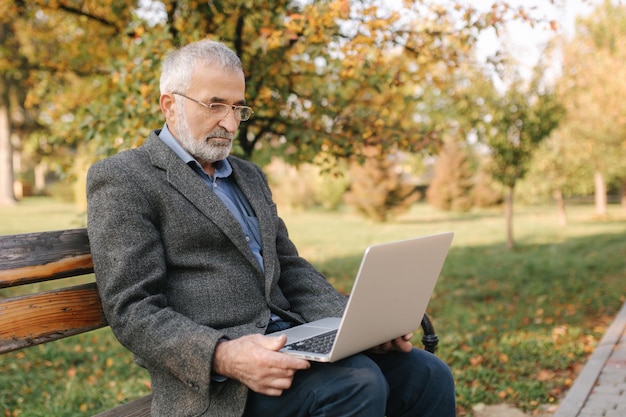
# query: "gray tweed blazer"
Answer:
x=176 y=274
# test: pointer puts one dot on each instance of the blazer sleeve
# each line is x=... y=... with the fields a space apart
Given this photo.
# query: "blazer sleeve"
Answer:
x=130 y=273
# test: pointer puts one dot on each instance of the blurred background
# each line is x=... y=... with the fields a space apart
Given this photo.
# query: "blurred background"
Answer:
x=504 y=121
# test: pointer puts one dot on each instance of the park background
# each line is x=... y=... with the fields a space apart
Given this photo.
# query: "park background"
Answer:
x=374 y=121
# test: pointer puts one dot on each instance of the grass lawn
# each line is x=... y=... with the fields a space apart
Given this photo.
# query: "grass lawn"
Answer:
x=515 y=326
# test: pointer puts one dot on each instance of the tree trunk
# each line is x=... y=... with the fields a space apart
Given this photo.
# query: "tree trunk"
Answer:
x=7 y=194
x=41 y=170
x=560 y=206
x=623 y=194
x=600 y=194
x=508 y=211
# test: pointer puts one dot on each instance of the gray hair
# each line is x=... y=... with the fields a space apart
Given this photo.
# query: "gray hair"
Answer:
x=179 y=65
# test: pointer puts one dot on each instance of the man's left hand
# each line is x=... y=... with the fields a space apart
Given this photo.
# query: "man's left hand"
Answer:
x=402 y=343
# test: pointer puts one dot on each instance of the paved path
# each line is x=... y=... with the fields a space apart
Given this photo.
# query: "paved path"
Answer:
x=600 y=389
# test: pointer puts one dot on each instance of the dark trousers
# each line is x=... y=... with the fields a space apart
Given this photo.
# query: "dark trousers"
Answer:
x=396 y=384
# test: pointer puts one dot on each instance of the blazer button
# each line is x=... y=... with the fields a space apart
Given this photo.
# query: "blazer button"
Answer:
x=260 y=324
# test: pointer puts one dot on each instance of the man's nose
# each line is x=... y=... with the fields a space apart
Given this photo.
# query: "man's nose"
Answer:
x=229 y=121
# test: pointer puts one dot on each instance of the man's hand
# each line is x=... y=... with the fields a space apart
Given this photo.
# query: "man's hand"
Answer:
x=254 y=360
x=402 y=343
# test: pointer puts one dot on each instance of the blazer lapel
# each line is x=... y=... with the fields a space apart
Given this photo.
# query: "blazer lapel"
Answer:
x=186 y=182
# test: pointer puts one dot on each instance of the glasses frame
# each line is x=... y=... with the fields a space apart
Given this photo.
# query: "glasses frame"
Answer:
x=236 y=109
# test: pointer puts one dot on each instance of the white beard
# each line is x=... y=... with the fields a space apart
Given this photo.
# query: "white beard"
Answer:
x=207 y=149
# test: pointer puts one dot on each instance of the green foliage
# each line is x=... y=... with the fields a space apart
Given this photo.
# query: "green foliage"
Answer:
x=595 y=125
x=558 y=165
x=125 y=105
x=513 y=125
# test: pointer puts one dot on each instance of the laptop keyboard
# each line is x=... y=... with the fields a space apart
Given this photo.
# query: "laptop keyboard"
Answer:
x=318 y=344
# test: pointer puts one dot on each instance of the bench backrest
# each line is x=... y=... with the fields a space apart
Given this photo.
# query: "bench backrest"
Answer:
x=40 y=317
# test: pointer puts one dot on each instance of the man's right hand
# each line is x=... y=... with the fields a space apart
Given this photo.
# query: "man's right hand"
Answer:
x=254 y=360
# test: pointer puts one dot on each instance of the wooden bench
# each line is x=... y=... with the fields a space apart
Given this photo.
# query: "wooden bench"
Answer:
x=46 y=316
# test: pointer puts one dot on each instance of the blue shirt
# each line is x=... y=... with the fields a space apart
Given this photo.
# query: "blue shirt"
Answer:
x=226 y=189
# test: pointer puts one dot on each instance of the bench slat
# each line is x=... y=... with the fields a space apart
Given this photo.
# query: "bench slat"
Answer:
x=137 y=408
x=32 y=319
x=36 y=257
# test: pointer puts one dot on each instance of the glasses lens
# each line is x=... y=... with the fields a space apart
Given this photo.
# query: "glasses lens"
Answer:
x=244 y=113
x=218 y=110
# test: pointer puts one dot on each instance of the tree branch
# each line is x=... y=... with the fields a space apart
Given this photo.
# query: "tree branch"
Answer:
x=91 y=16
x=38 y=66
x=171 y=14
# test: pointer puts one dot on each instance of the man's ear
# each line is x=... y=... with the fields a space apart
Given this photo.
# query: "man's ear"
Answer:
x=167 y=104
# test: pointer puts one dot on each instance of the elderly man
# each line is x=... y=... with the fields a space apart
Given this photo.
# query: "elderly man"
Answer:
x=196 y=270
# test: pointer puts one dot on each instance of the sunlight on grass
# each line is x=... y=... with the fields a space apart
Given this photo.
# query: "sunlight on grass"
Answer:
x=39 y=214
x=515 y=326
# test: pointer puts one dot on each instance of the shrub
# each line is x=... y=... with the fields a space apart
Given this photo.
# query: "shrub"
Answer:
x=451 y=187
x=379 y=187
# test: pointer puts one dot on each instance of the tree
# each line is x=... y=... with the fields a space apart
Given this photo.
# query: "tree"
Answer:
x=559 y=170
x=319 y=74
x=9 y=80
x=324 y=77
x=512 y=124
x=46 y=47
x=592 y=88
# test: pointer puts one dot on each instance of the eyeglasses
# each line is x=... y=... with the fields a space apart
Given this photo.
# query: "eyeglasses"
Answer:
x=220 y=110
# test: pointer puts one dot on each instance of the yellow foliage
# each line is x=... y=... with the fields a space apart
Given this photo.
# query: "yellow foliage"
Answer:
x=264 y=94
x=340 y=8
x=295 y=23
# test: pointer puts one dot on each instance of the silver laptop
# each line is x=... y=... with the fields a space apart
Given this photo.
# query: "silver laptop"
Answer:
x=389 y=297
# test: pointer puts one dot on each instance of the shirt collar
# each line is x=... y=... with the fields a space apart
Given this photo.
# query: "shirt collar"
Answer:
x=223 y=168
